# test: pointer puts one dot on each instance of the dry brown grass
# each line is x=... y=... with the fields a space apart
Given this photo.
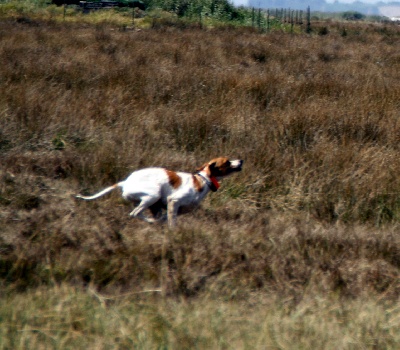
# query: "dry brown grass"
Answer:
x=316 y=118
x=64 y=317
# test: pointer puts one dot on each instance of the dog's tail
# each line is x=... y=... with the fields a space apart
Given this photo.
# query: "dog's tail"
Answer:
x=101 y=193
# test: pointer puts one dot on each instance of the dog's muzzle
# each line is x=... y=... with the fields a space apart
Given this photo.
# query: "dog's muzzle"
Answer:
x=236 y=165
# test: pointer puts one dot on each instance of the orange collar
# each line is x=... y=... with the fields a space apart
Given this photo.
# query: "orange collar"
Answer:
x=215 y=183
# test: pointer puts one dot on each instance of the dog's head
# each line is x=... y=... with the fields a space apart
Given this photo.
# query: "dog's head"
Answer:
x=221 y=167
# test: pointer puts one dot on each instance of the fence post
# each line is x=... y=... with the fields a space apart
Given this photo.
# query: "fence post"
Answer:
x=308 y=30
x=291 y=22
x=267 y=20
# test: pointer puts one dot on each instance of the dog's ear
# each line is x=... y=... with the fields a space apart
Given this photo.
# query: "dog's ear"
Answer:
x=212 y=166
x=202 y=167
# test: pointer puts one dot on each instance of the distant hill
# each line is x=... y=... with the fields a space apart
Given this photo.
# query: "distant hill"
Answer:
x=389 y=10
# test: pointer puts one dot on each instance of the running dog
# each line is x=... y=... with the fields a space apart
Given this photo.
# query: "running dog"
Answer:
x=158 y=188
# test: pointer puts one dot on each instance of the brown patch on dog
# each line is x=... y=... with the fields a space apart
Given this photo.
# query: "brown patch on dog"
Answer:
x=219 y=166
x=197 y=184
x=202 y=167
x=220 y=162
x=174 y=179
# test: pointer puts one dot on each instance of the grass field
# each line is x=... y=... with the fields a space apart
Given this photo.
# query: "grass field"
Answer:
x=301 y=250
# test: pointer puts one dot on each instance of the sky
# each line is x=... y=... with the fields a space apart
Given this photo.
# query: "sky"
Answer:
x=364 y=1
x=245 y=2
x=240 y=2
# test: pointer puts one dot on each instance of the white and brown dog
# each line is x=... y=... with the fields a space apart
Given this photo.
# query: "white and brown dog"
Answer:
x=158 y=188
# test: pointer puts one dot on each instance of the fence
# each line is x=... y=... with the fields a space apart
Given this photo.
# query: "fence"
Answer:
x=87 y=6
x=264 y=19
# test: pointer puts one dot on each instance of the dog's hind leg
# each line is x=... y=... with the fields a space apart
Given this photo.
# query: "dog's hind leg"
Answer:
x=144 y=204
x=156 y=210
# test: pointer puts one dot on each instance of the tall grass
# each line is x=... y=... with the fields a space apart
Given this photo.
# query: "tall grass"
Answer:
x=316 y=119
x=306 y=237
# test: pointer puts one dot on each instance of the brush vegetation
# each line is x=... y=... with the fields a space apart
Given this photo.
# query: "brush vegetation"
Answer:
x=300 y=250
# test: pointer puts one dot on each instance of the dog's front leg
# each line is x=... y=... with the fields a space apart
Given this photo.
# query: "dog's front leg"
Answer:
x=173 y=207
